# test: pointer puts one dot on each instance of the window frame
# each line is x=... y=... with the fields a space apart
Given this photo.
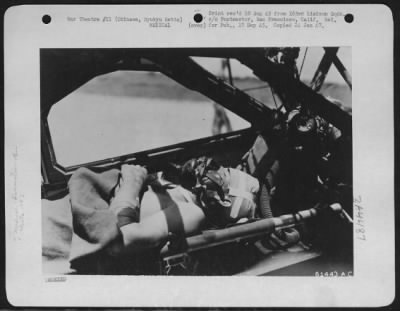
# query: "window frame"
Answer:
x=63 y=75
x=55 y=175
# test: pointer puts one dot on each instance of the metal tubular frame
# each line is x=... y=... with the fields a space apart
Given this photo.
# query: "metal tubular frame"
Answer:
x=283 y=82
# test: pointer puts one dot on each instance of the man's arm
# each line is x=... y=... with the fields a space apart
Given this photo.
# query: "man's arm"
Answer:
x=126 y=203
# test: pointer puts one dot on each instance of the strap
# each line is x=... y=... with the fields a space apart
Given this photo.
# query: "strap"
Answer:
x=176 y=229
x=127 y=216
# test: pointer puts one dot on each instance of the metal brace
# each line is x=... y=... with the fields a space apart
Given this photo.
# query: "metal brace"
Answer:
x=181 y=261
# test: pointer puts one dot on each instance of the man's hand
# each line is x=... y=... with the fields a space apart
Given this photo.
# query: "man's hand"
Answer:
x=131 y=183
x=133 y=177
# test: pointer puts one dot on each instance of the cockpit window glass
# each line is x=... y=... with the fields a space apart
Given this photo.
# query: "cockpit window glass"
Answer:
x=232 y=71
x=125 y=112
x=307 y=62
x=334 y=86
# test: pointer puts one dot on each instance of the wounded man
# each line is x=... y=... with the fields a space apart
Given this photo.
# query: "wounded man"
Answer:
x=128 y=211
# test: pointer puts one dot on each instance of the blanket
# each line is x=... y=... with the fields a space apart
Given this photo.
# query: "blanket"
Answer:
x=56 y=235
x=78 y=228
x=94 y=224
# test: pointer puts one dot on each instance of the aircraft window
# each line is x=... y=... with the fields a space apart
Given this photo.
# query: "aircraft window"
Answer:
x=126 y=112
x=242 y=77
x=307 y=63
x=334 y=85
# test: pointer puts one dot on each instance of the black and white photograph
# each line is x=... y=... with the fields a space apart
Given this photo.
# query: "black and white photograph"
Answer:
x=201 y=155
x=232 y=161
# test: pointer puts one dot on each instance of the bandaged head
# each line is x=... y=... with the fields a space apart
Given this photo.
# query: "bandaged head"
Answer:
x=225 y=193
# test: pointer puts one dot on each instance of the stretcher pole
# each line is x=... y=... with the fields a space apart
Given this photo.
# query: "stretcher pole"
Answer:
x=211 y=238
